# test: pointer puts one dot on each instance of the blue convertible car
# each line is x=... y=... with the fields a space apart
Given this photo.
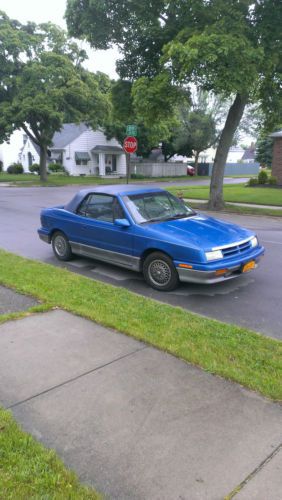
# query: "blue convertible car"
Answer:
x=149 y=230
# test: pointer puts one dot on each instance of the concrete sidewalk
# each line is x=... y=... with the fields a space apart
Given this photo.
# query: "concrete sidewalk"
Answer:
x=134 y=422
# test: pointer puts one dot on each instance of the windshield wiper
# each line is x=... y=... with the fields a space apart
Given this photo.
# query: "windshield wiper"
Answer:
x=154 y=219
x=180 y=216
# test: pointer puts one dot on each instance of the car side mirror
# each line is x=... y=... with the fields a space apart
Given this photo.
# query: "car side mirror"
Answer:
x=122 y=222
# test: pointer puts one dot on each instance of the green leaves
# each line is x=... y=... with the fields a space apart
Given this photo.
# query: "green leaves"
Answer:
x=44 y=85
x=222 y=62
x=155 y=103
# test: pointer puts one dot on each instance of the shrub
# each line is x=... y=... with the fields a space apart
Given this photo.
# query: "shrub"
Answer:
x=15 y=168
x=56 y=167
x=137 y=176
x=262 y=177
x=1 y=166
x=34 y=168
x=272 y=180
x=253 y=181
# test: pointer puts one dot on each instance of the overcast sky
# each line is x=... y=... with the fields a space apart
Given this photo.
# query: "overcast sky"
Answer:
x=40 y=11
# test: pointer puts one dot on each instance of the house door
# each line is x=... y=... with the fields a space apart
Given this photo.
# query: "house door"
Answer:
x=114 y=163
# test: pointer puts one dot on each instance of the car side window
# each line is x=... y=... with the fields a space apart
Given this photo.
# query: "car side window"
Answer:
x=101 y=207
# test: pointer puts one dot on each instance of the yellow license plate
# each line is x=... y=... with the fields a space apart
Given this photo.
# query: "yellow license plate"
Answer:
x=249 y=266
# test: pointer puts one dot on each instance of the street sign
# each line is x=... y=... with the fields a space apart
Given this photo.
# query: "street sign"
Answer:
x=130 y=144
x=131 y=130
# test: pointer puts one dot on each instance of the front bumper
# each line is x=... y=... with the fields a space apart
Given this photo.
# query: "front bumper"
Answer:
x=44 y=236
x=210 y=276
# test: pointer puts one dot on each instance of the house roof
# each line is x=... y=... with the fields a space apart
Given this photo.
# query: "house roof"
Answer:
x=156 y=154
x=68 y=133
x=249 y=153
x=36 y=147
x=276 y=134
x=107 y=149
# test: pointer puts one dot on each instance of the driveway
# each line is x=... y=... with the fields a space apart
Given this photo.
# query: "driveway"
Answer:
x=253 y=300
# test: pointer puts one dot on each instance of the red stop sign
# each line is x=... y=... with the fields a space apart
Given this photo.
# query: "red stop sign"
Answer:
x=130 y=144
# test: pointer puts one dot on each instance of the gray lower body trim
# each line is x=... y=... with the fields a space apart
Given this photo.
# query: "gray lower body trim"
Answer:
x=206 y=277
x=119 y=259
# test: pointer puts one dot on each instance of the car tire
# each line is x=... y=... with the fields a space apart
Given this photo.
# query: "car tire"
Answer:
x=159 y=272
x=61 y=246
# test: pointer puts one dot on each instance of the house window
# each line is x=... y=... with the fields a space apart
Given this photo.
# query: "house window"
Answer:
x=81 y=162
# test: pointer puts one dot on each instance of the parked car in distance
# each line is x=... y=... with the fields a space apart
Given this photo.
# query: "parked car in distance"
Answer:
x=190 y=170
x=151 y=231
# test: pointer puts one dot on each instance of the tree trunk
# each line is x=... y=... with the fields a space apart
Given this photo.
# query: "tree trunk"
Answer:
x=234 y=116
x=197 y=154
x=43 y=163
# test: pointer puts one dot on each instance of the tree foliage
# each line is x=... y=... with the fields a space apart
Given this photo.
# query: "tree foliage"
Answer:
x=264 y=150
x=44 y=85
x=230 y=47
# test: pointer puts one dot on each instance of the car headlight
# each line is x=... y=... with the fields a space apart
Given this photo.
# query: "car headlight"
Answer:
x=215 y=255
x=254 y=242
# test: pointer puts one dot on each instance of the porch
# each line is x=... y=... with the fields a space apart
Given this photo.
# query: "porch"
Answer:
x=108 y=160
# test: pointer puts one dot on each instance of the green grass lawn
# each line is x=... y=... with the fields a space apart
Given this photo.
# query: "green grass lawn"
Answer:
x=64 y=180
x=27 y=469
x=235 y=209
x=30 y=471
x=235 y=193
x=227 y=350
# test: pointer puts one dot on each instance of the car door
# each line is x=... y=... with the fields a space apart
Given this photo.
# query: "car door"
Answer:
x=98 y=234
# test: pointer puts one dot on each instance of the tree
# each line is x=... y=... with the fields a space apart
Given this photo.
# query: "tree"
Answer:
x=264 y=149
x=229 y=47
x=44 y=85
x=122 y=114
x=129 y=107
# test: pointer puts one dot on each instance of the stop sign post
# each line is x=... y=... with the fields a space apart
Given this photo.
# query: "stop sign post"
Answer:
x=130 y=145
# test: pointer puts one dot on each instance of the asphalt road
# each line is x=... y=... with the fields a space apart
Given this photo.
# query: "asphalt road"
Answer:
x=253 y=300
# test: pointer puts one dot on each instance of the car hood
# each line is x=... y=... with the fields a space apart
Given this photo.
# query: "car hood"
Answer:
x=200 y=231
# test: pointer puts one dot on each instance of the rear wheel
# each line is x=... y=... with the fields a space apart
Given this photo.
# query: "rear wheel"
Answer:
x=159 y=272
x=61 y=246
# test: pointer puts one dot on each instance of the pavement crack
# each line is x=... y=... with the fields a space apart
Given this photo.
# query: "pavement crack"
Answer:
x=240 y=486
x=66 y=382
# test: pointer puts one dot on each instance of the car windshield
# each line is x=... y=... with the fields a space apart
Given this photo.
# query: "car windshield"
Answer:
x=156 y=206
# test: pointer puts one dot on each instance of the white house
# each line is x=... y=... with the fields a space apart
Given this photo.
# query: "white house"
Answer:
x=235 y=154
x=81 y=150
x=29 y=153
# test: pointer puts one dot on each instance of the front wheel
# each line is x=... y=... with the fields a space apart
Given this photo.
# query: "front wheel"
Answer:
x=61 y=246
x=159 y=272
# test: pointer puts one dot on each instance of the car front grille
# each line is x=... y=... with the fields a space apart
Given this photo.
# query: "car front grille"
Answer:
x=236 y=249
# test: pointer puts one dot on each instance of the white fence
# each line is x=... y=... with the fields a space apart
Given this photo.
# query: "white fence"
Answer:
x=158 y=169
